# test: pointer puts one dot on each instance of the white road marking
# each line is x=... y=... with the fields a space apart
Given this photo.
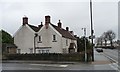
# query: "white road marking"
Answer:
x=52 y=65
x=113 y=65
x=63 y=65
x=111 y=58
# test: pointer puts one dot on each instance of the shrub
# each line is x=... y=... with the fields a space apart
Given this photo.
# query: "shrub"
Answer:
x=49 y=56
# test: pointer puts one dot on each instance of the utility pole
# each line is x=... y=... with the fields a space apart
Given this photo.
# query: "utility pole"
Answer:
x=84 y=29
x=92 y=31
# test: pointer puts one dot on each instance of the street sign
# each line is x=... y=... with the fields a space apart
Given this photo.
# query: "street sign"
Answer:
x=92 y=37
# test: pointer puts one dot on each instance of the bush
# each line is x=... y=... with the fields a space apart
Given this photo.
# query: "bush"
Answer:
x=48 y=56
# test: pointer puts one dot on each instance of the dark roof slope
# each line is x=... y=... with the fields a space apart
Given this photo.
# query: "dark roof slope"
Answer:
x=64 y=33
x=36 y=29
x=7 y=45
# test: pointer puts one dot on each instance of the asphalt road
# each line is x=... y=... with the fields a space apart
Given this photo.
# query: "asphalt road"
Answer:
x=101 y=63
x=112 y=54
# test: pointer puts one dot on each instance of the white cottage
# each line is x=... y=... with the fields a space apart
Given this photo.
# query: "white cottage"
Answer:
x=47 y=38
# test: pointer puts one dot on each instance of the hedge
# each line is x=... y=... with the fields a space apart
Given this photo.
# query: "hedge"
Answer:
x=49 y=56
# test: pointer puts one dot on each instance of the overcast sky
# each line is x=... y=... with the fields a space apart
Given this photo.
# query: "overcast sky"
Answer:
x=72 y=13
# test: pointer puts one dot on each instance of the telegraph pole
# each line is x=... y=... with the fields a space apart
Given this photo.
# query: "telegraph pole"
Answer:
x=92 y=31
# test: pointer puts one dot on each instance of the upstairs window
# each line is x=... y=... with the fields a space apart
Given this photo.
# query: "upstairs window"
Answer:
x=54 y=38
x=39 y=39
x=66 y=42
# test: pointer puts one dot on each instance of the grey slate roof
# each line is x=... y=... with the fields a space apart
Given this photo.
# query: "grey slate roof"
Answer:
x=62 y=31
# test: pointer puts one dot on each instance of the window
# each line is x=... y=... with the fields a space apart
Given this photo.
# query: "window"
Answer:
x=54 y=38
x=39 y=51
x=64 y=50
x=19 y=50
x=43 y=51
x=47 y=51
x=66 y=42
x=40 y=39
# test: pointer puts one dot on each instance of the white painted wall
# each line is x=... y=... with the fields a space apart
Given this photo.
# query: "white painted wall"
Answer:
x=47 y=39
x=24 y=39
x=65 y=46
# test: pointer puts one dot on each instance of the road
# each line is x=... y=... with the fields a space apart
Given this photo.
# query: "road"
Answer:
x=102 y=62
x=112 y=54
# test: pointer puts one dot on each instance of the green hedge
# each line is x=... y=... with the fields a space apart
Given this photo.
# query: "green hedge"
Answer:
x=49 y=56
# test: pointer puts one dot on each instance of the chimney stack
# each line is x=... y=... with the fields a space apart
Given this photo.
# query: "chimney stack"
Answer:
x=47 y=19
x=25 y=20
x=67 y=28
x=40 y=25
x=59 y=24
x=72 y=32
x=75 y=36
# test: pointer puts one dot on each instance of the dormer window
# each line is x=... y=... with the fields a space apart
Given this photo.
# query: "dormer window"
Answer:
x=54 y=38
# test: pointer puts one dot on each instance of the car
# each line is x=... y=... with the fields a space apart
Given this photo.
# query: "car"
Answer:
x=99 y=50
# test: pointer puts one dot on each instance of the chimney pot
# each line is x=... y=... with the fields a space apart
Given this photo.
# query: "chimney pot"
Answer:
x=67 y=28
x=75 y=36
x=41 y=24
x=72 y=32
x=59 y=24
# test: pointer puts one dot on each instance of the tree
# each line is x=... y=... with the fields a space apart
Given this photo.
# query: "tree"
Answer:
x=6 y=37
x=97 y=41
x=81 y=44
x=105 y=38
x=111 y=36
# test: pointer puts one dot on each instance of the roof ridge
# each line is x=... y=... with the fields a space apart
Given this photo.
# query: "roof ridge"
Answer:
x=64 y=32
x=35 y=28
x=32 y=25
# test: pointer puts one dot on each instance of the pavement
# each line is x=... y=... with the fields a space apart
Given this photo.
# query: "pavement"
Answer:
x=100 y=58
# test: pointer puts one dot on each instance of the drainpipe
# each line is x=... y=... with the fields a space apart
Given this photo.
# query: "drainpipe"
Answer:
x=35 y=35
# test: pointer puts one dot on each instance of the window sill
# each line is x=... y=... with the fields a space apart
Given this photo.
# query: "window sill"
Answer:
x=54 y=41
x=39 y=41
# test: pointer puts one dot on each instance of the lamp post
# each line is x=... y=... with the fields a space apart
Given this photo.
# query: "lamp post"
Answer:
x=84 y=29
x=92 y=31
x=35 y=35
